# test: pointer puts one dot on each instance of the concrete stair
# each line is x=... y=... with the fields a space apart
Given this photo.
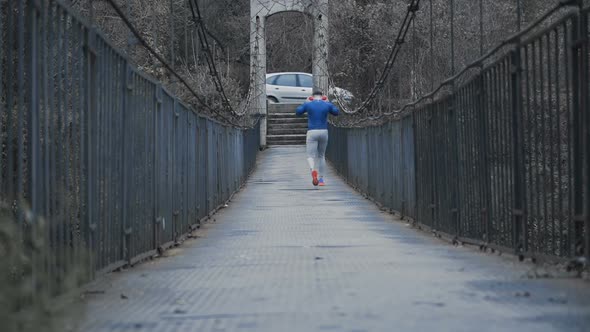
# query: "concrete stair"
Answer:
x=284 y=127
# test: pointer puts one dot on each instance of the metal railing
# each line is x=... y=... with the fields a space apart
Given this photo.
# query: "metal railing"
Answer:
x=114 y=164
x=501 y=159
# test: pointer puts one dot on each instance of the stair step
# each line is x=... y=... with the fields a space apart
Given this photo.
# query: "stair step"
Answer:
x=284 y=126
x=298 y=126
x=289 y=142
x=281 y=125
x=283 y=140
x=272 y=121
x=285 y=116
x=287 y=137
x=282 y=108
x=287 y=131
x=280 y=118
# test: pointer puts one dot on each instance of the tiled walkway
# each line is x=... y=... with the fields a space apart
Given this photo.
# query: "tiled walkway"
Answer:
x=287 y=257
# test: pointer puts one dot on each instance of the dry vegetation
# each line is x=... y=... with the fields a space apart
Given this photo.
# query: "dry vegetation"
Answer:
x=362 y=34
x=29 y=281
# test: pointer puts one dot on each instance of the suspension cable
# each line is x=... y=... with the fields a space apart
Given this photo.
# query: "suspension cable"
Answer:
x=514 y=38
x=202 y=33
x=412 y=8
x=152 y=51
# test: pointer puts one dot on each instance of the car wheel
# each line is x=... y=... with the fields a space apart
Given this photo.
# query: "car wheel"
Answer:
x=272 y=100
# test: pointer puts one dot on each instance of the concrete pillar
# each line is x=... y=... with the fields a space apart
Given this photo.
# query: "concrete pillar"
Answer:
x=320 y=45
x=258 y=71
x=260 y=10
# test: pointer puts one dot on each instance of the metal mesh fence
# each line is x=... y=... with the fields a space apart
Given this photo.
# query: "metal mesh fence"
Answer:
x=501 y=159
x=116 y=166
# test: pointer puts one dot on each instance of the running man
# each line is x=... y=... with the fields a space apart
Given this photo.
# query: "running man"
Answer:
x=317 y=133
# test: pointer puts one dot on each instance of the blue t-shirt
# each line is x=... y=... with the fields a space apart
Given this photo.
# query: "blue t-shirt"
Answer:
x=317 y=113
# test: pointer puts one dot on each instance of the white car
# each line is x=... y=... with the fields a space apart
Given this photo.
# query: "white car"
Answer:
x=286 y=88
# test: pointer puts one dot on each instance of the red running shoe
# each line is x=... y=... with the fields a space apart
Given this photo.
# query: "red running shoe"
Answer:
x=314 y=175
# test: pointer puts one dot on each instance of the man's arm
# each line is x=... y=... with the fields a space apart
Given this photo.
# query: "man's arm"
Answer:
x=334 y=110
x=301 y=110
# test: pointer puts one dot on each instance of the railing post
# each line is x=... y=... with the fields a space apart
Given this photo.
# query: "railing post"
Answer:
x=379 y=188
x=454 y=122
x=33 y=145
x=400 y=165
x=415 y=165
x=208 y=159
x=87 y=142
x=158 y=221
x=175 y=172
x=33 y=114
x=431 y=164
x=585 y=91
x=581 y=134
x=585 y=114
x=484 y=161
x=518 y=171
x=126 y=100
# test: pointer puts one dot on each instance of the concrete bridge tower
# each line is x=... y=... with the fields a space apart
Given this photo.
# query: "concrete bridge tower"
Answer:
x=260 y=10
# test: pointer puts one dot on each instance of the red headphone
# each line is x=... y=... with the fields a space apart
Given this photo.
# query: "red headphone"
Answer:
x=324 y=98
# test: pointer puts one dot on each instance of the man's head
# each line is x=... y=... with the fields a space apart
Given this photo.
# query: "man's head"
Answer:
x=318 y=95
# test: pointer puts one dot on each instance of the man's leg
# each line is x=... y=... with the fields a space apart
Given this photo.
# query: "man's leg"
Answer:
x=322 y=145
x=312 y=151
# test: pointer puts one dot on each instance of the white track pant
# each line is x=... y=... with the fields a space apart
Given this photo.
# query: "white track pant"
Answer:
x=317 y=141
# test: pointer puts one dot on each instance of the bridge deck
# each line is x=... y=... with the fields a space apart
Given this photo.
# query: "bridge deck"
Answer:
x=286 y=257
